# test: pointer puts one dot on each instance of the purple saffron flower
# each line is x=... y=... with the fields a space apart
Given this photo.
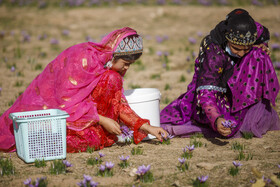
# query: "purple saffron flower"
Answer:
x=13 y=68
x=159 y=39
x=109 y=165
x=202 y=179
x=87 y=177
x=256 y=2
x=275 y=46
x=101 y=154
x=166 y=53
x=223 y=2
x=27 y=181
x=67 y=164
x=126 y=132
x=65 y=32
x=276 y=65
x=226 y=124
x=188 y=58
x=182 y=160
x=205 y=2
x=237 y=164
x=252 y=181
x=102 y=168
x=192 y=40
x=160 y=2
x=276 y=34
x=142 y=170
x=159 y=53
x=190 y=148
x=124 y=158
x=279 y=166
x=199 y=33
x=26 y=38
x=42 y=37
x=89 y=39
x=2 y=34
x=54 y=41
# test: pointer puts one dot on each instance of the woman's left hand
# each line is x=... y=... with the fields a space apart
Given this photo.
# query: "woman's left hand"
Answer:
x=264 y=48
x=156 y=131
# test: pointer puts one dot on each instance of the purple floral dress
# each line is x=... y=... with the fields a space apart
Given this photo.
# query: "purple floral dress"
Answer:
x=239 y=90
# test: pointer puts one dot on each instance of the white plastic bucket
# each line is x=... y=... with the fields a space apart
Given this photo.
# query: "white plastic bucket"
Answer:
x=145 y=102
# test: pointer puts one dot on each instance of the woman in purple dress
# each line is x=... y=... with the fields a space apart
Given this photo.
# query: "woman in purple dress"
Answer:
x=233 y=86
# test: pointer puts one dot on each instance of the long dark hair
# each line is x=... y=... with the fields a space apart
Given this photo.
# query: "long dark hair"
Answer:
x=130 y=57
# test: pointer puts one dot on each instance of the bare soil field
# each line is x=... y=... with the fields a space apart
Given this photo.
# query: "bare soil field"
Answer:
x=34 y=37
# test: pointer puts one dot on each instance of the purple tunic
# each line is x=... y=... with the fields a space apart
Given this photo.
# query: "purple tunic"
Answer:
x=227 y=87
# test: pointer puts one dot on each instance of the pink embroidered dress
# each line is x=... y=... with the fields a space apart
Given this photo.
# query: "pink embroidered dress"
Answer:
x=77 y=82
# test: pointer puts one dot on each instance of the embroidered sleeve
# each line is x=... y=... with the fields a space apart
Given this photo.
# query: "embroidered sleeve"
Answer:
x=132 y=120
x=211 y=68
x=208 y=102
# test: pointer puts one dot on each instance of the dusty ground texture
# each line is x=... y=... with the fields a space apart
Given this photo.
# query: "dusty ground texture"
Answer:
x=175 y=25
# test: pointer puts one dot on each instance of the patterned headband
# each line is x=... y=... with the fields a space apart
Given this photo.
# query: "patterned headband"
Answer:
x=241 y=39
x=129 y=45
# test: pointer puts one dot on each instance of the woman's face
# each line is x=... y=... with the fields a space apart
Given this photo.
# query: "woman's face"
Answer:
x=121 y=66
x=239 y=50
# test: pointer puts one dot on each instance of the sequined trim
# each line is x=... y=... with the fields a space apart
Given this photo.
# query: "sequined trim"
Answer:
x=73 y=81
x=210 y=87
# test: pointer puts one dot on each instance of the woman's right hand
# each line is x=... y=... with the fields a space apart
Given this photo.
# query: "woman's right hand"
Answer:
x=221 y=129
x=110 y=125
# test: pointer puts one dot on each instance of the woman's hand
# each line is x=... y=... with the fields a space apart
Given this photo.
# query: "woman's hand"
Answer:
x=110 y=125
x=264 y=48
x=156 y=131
x=221 y=129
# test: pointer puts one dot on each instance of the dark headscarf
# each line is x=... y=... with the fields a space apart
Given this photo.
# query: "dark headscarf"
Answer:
x=238 y=27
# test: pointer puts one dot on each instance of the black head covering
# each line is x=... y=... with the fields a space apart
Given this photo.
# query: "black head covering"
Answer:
x=238 y=27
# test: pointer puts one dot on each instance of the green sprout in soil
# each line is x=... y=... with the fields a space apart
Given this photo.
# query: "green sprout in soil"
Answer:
x=167 y=87
x=137 y=151
x=237 y=146
x=234 y=169
x=183 y=165
x=247 y=135
x=124 y=161
x=6 y=167
x=182 y=78
x=40 y=163
x=188 y=152
x=90 y=149
x=59 y=167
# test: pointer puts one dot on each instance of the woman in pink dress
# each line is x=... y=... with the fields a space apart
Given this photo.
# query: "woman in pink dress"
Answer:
x=86 y=81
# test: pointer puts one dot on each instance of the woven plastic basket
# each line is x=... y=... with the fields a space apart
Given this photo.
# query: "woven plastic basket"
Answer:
x=40 y=134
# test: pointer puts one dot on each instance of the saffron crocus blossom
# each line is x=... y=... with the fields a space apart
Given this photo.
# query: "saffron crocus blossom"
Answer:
x=192 y=40
x=202 y=179
x=27 y=182
x=237 y=164
x=182 y=160
x=67 y=164
x=54 y=41
x=228 y=124
x=159 y=53
x=109 y=165
x=102 y=168
x=190 y=148
x=13 y=68
x=124 y=158
x=87 y=182
x=65 y=32
x=101 y=154
x=126 y=132
x=279 y=166
x=143 y=169
x=275 y=46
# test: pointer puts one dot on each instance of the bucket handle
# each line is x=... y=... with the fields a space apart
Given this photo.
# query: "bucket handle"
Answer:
x=16 y=124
